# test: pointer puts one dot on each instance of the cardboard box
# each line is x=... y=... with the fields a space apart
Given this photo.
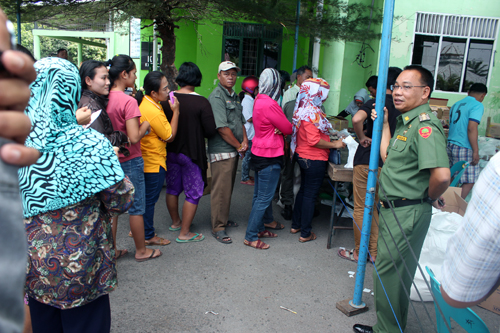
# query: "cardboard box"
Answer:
x=454 y=202
x=338 y=124
x=492 y=303
x=439 y=102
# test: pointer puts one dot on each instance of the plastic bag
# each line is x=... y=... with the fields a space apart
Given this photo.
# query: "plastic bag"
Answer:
x=443 y=226
x=352 y=145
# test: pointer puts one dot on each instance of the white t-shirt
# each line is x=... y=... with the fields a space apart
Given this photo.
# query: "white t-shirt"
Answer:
x=247 y=105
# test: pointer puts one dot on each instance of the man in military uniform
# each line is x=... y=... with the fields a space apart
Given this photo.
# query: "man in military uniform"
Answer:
x=414 y=175
x=224 y=148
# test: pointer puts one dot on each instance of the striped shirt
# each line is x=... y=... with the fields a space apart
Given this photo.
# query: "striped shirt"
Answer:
x=472 y=263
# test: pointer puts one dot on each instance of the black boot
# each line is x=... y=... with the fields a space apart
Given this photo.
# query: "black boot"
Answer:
x=287 y=212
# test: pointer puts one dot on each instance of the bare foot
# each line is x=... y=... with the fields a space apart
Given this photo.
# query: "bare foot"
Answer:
x=147 y=254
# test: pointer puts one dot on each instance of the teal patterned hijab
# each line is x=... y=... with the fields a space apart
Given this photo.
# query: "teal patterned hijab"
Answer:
x=75 y=163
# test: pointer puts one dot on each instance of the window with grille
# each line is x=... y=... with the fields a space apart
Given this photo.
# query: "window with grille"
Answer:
x=252 y=47
x=457 y=49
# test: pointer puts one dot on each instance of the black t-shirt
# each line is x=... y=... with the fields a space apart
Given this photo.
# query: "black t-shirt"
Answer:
x=363 y=154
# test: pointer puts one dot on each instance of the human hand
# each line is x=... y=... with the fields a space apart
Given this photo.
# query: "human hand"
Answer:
x=277 y=131
x=386 y=115
x=338 y=144
x=83 y=115
x=365 y=141
x=15 y=79
x=116 y=149
x=439 y=203
x=175 y=105
x=243 y=147
x=475 y=158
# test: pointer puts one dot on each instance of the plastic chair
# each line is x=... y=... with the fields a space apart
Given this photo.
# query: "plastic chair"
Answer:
x=460 y=168
x=466 y=318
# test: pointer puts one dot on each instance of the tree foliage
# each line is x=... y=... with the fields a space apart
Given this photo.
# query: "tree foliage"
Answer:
x=325 y=19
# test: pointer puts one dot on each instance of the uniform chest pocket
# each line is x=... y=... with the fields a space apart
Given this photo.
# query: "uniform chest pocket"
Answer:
x=397 y=152
x=231 y=112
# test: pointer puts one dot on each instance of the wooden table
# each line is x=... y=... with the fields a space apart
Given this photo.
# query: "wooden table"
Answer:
x=337 y=173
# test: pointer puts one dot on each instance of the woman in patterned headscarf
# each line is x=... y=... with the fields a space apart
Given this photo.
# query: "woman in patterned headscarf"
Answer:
x=69 y=196
x=310 y=146
x=270 y=124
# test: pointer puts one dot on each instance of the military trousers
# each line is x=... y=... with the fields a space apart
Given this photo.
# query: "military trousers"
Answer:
x=415 y=220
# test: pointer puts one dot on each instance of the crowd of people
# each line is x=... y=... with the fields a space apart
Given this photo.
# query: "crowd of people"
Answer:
x=92 y=152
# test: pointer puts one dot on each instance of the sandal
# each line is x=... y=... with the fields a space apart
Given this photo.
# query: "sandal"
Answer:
x=310 y=238
x=152 y=256
x=160 y=242
x=346 y=254
x=277 y=226
x=120 y=253
x=232 y=224
x=174 y=229
x=294 y=231
x=266 y=234
x=260 y=245
x=222 y=237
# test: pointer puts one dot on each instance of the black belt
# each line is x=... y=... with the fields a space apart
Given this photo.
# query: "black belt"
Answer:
x=401 y=203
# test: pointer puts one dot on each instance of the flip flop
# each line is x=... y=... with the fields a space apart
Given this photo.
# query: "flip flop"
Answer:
x=232 y=224
x=159 y=242
x=278 y=226
x=150 y=257
x=342 y=254
x=174 y=229
x=308 y=239
x=192 y=239
x=120 y=253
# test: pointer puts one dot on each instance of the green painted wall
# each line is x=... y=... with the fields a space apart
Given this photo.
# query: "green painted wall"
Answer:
x=403 y=31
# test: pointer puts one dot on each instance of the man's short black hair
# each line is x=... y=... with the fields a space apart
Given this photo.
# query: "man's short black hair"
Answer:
x=189 y=75
x=392 y=75
x=426 y=77
x=478 y=88
x=372 y=82
x=60 y=50
x=303 y=69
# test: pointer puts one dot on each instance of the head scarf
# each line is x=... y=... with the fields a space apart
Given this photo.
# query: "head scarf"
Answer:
x=75 y=163
x=270 y=83
x=312 y=94
x=363 y=96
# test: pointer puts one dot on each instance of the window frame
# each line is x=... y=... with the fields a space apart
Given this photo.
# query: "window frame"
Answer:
x=261 y=40
x=468 y=38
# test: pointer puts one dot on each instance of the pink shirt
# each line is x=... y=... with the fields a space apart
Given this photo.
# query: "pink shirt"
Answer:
x=268 y=115
x=307 y=137
x=122 y=107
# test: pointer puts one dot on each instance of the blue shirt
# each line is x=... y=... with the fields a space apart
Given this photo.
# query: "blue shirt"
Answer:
x=468 y=109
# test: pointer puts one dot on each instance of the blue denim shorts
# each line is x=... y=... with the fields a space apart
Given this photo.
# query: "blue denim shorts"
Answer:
x=134 y=169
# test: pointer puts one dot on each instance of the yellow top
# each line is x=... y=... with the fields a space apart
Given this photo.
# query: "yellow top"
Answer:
x=154 y=144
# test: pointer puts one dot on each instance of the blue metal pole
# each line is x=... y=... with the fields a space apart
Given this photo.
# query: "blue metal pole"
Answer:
x=374 y=152
x=296 y=37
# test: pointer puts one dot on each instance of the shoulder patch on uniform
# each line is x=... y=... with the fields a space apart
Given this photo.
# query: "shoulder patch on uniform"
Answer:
x=424 y=117
x=425 y=132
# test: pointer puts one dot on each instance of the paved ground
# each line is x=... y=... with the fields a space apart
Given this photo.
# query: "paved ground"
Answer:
x=246 y=287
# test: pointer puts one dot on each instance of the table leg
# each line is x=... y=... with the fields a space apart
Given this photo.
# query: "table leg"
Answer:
x=332 y=217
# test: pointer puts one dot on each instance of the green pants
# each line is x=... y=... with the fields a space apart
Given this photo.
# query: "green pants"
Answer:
x=415 y=220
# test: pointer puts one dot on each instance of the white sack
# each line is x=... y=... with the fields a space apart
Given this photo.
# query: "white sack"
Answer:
x=352 y=145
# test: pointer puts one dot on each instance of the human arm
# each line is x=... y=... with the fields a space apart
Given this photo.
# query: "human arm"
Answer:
x=438 y=183
x=386 y=133
x=472 y=133
x=14 y=96
x=228 y=136
x=135 y=131
x=313 y=137
x=278 y=119
x=357 y=122
x=244 y=144
x=175 y=118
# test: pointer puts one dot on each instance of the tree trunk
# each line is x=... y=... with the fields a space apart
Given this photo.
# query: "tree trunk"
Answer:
x=165 y=28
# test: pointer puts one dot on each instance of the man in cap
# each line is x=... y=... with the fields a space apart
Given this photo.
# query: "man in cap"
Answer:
x=224 y=148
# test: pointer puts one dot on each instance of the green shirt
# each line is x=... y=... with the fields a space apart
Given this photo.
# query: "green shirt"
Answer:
x=290 y=94
x=227 y=111
x=418 y=144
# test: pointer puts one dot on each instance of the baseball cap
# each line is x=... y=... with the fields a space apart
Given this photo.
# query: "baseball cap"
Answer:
x=227 y=65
